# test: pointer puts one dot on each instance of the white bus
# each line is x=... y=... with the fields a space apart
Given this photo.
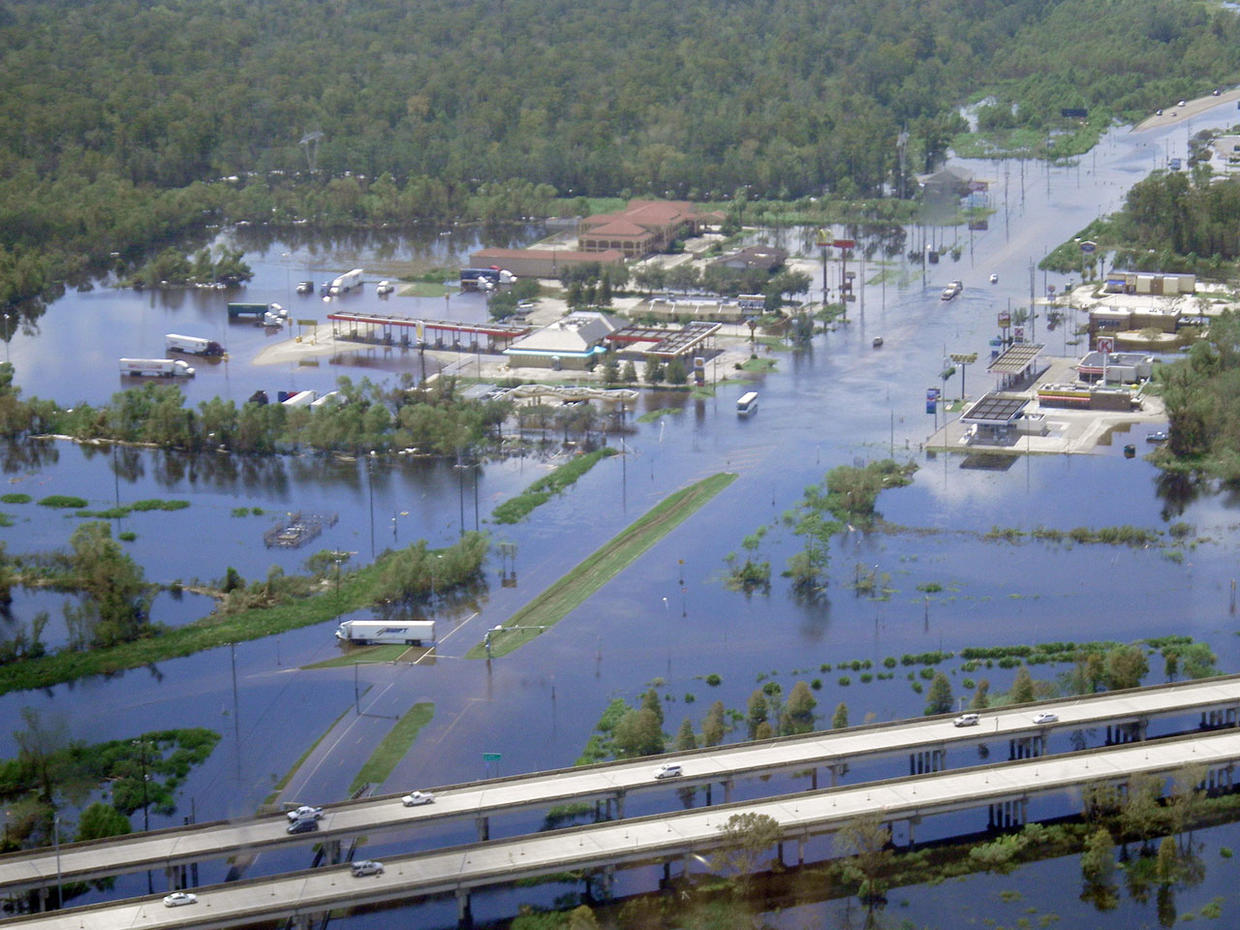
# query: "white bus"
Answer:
x=747 y=403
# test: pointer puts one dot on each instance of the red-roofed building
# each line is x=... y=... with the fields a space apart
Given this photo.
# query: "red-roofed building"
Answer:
x=643 y=227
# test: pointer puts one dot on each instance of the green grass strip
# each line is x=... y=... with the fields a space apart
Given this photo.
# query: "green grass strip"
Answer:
x=604 y=564
x=394 y=746
x=538 y=493
x=363 y=655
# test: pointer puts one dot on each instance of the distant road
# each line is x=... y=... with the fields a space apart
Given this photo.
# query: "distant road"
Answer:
x=1173 y=114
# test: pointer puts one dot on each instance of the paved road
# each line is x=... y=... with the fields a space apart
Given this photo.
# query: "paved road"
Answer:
x=666 y=836
x=540 y=791
x=1172 y=114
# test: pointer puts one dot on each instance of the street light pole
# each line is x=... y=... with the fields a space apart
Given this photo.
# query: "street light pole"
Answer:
x=60 y=897
x=146 y=817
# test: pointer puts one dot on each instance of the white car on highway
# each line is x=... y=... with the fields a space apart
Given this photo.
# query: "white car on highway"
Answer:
x=668 y=770
x=179 y=898
x=305 y=813
x=417 y=798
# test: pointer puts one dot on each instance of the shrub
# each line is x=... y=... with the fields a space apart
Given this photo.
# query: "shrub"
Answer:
x=714 y=680
x=16 y=498
x=64 y=501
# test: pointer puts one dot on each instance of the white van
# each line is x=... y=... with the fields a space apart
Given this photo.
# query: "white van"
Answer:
x=747 y=404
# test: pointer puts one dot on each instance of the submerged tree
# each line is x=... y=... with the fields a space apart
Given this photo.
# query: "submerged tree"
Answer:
x=939 y=697
x=866 y=841
x=747 y=840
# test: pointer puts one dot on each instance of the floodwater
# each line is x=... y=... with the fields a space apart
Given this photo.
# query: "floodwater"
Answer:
x=668 y=619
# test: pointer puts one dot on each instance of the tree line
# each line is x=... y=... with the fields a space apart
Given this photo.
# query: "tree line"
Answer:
x=435 y=419
x=179 y=116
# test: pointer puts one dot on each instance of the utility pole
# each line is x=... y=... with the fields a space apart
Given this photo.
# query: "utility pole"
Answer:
x=1032 y=305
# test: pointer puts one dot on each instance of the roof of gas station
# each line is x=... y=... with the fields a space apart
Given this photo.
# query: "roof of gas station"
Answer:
x=995 y=409
x=1016 y=359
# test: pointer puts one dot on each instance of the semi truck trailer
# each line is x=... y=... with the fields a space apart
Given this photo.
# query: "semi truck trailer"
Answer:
x=156 y=368
x=192 y=345
x=345 y=283
x=373 y=632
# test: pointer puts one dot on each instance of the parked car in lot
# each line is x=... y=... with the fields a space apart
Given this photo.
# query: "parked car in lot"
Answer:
x=179 y=898
x=303 y=826
x=1046 y=717
x=304 y=812
x=668 y=770
x=367 y=867
x=417 y=798
x=1158 y=435
x=967 y=720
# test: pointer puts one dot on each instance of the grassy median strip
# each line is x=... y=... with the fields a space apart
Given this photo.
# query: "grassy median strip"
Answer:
x=542 y=490
x=363 y=655
x=394 y=746
x=604 y=564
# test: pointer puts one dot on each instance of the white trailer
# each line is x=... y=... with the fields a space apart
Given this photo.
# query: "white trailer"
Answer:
x=156 y=368
x=300 y=399
x=331 y=397
x=373 y=632
x=346 y=282
x=192 y=345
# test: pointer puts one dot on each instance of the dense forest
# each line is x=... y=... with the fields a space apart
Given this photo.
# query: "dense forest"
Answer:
x=125 y=125
x=1200 y=392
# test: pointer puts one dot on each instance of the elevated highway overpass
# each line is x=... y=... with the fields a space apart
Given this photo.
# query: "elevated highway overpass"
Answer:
x=1124 y=715
x=661 y=838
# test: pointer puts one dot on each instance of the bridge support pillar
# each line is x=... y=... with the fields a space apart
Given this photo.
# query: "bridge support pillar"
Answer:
x=813 y=778
x=619 y=805
x=484 y=828
x=332 y=848
x=708 y=787
x=464 y=912
x=727 y=791
x=667 y=872
x=800 y=850
x=175 y=877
